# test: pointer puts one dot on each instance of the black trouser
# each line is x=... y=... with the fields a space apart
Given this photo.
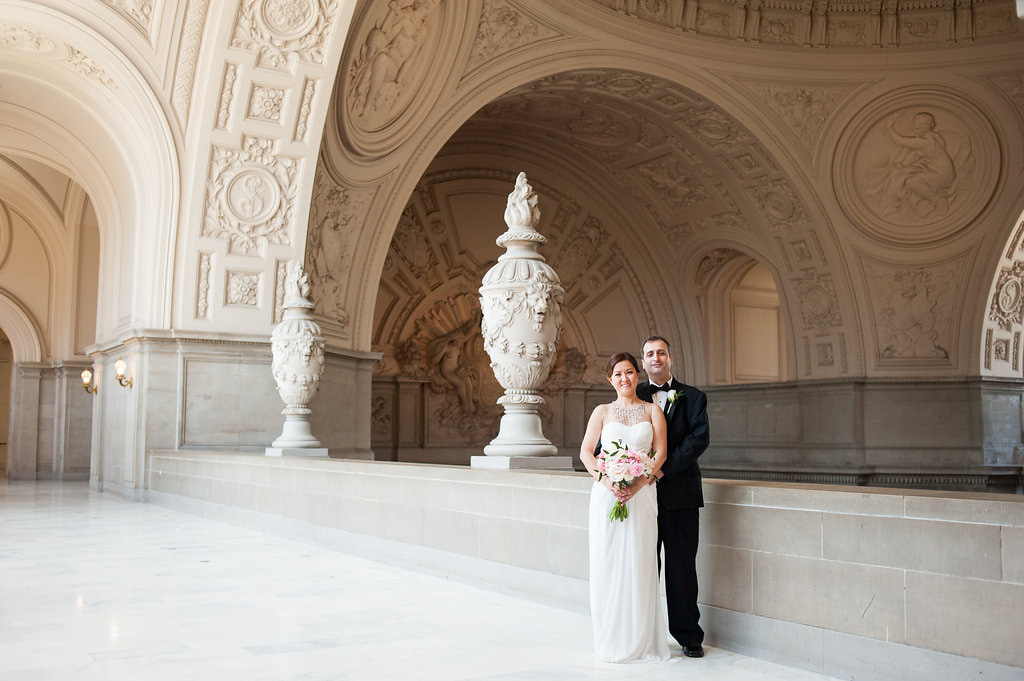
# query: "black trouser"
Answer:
x=678 y=532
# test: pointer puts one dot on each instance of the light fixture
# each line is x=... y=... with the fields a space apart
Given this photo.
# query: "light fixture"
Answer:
x=87 y=381
x=120 y=366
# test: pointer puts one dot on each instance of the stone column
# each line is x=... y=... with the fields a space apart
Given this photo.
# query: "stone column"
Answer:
x=521 y=300
x=298 y=349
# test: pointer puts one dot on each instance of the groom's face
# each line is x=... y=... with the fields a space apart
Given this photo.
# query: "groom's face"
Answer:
x=657 y=361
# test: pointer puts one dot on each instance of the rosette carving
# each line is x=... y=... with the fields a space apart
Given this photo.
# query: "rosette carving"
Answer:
x=283 y=31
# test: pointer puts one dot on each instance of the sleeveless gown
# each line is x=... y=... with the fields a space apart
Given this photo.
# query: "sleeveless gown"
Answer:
x=625 y=604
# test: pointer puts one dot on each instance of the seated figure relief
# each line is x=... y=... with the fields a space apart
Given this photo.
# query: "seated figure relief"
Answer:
x=921 y=171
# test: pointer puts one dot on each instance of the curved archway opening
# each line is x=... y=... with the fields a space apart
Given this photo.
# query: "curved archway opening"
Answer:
x=625 y=186
x=746 y=339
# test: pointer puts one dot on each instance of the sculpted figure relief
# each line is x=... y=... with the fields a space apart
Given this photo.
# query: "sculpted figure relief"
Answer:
x=380 y=71
x=921 y=176
x=445 y=354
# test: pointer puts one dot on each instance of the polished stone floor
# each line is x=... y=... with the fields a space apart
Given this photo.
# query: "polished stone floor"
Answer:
x=93 y=586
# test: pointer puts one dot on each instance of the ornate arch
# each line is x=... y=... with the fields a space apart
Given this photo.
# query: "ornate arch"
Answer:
x=774 y=204
x=95 y=118
x=21 y=329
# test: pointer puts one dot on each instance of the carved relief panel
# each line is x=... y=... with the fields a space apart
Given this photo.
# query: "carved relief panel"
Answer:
x=501 y=29
x=284 y=32
x=916 y=311
x=817 y=22
x=250 y=196
x=1004 y=322
x=917 y=166
x=335 y=217
x=396 y=62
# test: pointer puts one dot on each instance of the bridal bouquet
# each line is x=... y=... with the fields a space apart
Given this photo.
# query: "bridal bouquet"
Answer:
x=623 y=466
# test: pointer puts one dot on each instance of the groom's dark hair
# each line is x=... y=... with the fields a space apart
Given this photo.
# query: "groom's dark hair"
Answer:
x=655 y=338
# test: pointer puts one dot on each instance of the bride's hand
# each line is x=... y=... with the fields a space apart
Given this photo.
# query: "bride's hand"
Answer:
x=631 y=489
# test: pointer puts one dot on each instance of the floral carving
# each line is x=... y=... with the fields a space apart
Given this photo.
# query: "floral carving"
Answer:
x=243 y=288
x=914 y=310
x=779 y=204
x=411 y=244
x=308 y=91
x=203 y=288
x=669 y=180
x=581 y=249
x=280 y=279
x=265 y=103
x=250 y=195
x=140 y=12
x=502 y=28
x=819 y=306
x=226 y=94
x=817 y=22
x=188 y=54
x=1007 y=307
x=336 y=213
x=922 y=29
x=84 y=64
x=22 y=39
x=283 y=31
x=804 y=109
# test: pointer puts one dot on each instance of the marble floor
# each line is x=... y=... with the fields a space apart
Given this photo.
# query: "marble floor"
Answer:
x=93 y=586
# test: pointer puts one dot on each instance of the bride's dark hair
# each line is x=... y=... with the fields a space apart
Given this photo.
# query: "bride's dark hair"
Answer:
x=620 y=357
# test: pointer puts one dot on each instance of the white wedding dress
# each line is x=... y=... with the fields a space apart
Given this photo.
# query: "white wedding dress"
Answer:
x=625 y=604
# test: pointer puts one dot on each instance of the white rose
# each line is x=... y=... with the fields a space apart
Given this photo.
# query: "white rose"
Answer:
x=618 y=470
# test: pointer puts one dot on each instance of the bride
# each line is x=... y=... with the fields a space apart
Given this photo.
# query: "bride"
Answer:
x=629 y=623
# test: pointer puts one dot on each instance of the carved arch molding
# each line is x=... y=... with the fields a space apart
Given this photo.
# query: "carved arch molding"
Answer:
x=692 y=174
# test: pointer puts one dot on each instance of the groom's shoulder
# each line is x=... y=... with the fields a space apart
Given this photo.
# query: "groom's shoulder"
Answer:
x=688 y=390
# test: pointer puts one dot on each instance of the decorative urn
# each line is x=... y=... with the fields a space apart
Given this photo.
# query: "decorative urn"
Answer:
x=298 y=350
x=521 y=300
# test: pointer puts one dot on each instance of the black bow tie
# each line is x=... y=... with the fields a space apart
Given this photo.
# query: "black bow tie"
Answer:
x=656 y=388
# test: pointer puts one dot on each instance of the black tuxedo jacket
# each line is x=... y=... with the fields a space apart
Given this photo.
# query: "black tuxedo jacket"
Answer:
x=688 y=437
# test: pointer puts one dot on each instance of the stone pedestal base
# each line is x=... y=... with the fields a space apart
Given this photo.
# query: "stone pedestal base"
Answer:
x=297 y=451
x=548 y=463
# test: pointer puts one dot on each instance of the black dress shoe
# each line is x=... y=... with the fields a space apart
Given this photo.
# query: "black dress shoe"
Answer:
x=693 y=650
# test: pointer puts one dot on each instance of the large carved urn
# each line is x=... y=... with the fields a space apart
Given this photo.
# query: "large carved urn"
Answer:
x=298 y=349
x=521 y=300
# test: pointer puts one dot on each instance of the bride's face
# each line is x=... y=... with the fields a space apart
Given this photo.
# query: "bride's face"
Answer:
x=624 y=378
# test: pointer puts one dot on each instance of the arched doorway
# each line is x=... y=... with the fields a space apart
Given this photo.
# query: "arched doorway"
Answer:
x=746 y=338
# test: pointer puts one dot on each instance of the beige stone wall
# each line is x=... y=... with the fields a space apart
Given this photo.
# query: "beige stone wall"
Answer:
x=911 y=583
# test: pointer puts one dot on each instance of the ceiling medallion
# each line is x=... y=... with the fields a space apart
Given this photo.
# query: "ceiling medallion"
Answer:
x=917 y=166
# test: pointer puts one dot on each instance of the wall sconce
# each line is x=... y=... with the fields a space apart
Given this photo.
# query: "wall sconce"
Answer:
x=87 y=381
x=120 y=366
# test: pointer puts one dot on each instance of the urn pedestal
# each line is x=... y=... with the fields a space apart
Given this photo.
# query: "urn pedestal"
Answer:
x=298 y=350
x=521 y=299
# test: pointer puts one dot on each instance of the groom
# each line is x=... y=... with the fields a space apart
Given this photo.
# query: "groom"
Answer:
x=679 y=490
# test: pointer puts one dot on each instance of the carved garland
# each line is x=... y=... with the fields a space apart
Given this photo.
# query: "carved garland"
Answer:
x=283 y=31
x=250 y=195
